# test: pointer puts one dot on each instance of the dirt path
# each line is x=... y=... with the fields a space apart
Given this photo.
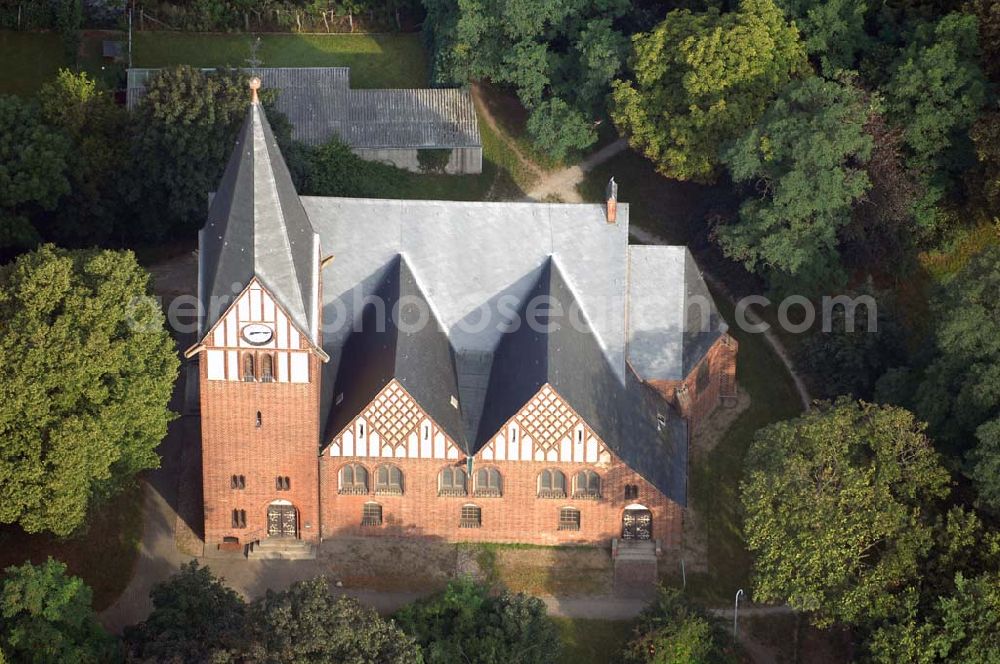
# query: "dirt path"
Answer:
x=484 y=112
x=561 y=185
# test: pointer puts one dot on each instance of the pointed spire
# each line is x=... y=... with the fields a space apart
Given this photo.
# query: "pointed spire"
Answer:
x=257 y=226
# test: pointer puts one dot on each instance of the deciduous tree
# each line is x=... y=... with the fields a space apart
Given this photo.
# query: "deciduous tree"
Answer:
x=307 y=623
x=32 y=171
x=84 y=405
x=46 y=616
x=466 y=623
x=806 y=156
x=839 y=509
x=671 y=631
x=195 y=618
x=700 y=80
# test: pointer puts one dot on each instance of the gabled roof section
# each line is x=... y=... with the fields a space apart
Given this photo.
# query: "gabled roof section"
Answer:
x=561 y=349
x=398 y=337
x=257 y=227
x=672 y=319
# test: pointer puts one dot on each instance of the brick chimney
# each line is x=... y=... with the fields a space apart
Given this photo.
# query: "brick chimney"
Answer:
x=612 y=199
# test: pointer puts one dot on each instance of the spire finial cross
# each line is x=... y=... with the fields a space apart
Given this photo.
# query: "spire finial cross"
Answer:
x=254 y=87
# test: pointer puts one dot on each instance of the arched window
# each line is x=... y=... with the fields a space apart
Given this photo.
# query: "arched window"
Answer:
x=569 y=518
x=587 y=484
x=266 y=368
x=472 y=517
x=371 y=514
x=551 y=484
x=488 y=483
x=388 y=481
x=353 y=479
x=451 y=482
x=248 y=373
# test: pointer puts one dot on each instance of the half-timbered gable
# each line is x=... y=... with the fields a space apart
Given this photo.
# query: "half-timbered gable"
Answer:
x=394 y=426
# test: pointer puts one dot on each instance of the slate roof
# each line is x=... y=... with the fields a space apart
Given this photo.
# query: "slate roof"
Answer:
x=257 y=227
x=672 y=317
x=469 y=270
x=320 y=104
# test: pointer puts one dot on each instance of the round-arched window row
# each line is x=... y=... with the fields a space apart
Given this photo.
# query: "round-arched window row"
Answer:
x=489 y=484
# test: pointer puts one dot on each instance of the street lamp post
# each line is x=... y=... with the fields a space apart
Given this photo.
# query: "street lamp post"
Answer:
x=736 y=612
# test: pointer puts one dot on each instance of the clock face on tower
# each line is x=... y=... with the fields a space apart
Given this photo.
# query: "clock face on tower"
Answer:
x=257 y=334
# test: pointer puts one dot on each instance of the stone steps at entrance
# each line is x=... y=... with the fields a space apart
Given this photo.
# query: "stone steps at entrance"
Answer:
x=635 y=567
x=281 y=548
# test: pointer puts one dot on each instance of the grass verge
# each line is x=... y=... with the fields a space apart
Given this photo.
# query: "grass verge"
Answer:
x=29 y=59
x=103 y=554
x=592 y=641
x=376 y=61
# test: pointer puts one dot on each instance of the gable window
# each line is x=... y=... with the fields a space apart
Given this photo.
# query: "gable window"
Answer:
x=266 y=368
x=283 y=483
x=551 y=484
x=631 y=492
x=388 y=481
x=248 y=373
x=587 y=484
x=239 y=518
x=353 y=479
x=238 y=482
x=472 y=517
x=569 y=518
x=488 y=483
x=451 y=482
x=371 y=514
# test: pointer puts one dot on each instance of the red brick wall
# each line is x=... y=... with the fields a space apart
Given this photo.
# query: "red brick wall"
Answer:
x=699 y=404
x=518 y=516
x=286 y=444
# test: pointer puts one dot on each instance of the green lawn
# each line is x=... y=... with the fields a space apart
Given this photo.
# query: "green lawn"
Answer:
x=715 y=479
x=28 y=59
x=376 y=61
x=592 y=641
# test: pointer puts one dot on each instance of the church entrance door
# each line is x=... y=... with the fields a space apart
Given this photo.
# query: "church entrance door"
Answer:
x=637 y=524
x=281 y=521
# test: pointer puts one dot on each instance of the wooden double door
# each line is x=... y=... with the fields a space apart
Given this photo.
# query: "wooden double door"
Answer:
x=637 y=525
x=281 y=521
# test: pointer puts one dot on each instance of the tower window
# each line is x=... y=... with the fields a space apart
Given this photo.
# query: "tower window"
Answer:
x=282 y=483
x=248 y=373
x=238 y=482
x=239 y=518
x=260 y=420
x=266 y=368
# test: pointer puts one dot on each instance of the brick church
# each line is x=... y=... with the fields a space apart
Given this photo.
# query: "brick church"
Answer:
x=509 y=372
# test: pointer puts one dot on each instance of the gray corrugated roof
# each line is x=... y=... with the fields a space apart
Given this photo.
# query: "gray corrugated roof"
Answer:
x=672 y=319
x=257 y=227
x=319 y=105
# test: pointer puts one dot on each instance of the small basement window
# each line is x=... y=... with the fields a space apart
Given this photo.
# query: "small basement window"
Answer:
x=472 y=517
x=371 y=514
x=569 y=518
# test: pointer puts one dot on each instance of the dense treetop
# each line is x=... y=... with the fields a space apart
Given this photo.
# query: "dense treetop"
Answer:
x=85 y=404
